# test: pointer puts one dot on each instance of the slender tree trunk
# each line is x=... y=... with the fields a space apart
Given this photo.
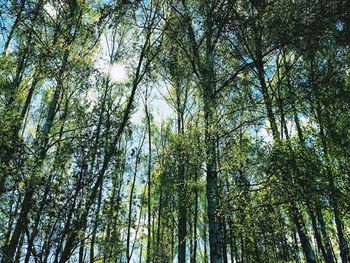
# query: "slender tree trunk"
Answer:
x=266 y=95
x=296 y=245
x=242 y=248
x=21 y=225
x=233 y=244
x=172 y=239
x=182 y=209
x=6 y=155
x=41 y=154
x=149 y=182
x=297 y=218
x=212 y=192
x=14 y=26
x=82 y=251
x=318 y=237
x=12 y=215
x=97 y=220
x=325 y=250
x=343 y=246
x=182 y=232
x=205 y=233
x=159 y=221
x=305 y=243
x=195 y=219
x=47 y=244
x=322 y=225
x=19 y=249
x=128 y=256
x=140 y=256
x=224 y=240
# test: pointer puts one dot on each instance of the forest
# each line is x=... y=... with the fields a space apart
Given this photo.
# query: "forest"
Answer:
x=181 y=131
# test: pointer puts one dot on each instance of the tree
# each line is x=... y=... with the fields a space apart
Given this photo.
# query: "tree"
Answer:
x=174 y=131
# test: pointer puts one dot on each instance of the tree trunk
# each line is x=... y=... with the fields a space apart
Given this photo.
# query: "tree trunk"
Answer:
x=343 y=247
x=322 y=225
x=14 y=26
x=21 y=225
x=195 y=220
x=305 y=243
x=128 y=256
x=182 y=216
x=297 y=218
x=149 y=182
x=224 y=240
x=94 y=231
x=318 y=237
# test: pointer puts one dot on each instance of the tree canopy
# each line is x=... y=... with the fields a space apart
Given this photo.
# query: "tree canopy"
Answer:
x=174 y=131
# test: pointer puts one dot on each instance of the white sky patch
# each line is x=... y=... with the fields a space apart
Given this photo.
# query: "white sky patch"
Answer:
x=162 y=110
x=292 y=129
x=92 y=97
x=265 y=132
x=118 y=73
x=51 y=10
x=136 y=118
x=101 y=58
x=159 y=109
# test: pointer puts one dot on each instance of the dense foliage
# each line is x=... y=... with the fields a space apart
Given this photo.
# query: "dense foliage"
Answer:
x=174 y=131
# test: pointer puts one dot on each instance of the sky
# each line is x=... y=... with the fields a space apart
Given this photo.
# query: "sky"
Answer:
x=119 y=73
